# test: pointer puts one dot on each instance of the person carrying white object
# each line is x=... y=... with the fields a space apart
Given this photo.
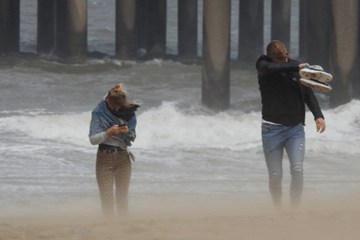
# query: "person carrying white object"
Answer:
x=283 y=118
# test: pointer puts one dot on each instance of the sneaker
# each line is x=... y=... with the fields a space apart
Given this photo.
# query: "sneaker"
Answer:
x=315 y=72
x=320 y=86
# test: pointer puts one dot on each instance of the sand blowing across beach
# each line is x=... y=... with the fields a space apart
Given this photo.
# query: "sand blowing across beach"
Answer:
x=322 y=217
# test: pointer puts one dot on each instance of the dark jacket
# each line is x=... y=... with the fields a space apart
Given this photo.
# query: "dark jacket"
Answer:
x=283 y=96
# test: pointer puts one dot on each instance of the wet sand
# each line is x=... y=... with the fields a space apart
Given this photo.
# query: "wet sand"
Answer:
x=325 y=216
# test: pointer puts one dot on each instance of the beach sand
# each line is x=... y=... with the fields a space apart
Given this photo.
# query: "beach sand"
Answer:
x=320 y=217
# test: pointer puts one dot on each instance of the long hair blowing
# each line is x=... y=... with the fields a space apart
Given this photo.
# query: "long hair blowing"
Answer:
x=276 y=50
x=119 y=98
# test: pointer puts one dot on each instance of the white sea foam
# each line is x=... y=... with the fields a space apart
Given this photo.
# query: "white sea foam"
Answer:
x=169 y=127
x=66 y=127
x=342 y=130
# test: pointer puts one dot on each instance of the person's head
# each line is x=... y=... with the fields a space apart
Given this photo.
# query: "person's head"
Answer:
x=277 y=51
x=116 y=97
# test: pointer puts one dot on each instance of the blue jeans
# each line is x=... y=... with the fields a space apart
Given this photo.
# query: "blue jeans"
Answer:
x=275 y=138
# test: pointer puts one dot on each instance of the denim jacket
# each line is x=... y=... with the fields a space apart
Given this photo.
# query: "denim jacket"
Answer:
x=102 y=119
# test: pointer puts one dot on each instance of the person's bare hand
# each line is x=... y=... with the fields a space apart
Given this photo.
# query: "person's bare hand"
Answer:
x=302 y=65
x=116 y=129
x=320 y=125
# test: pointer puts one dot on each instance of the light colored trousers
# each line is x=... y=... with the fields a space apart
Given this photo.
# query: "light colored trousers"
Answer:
x=275 y=139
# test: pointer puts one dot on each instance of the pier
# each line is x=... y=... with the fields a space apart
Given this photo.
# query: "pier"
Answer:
x=328 y=36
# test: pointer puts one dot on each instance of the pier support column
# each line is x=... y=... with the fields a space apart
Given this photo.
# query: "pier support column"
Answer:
x=156 y=27
x=9 y=26
x=251 y=30
x=71 y=30
x=216 y=54
x=280 y=21
x=125 y=47
x=61 y=27
x=141 y=25
x=187 y=28
x=302 y=30
x=318 y=23
x=46 y=26
x=356 y=81
x=344 y=59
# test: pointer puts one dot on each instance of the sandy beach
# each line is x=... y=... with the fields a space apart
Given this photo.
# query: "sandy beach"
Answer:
x=48 y=188
x=333 y=217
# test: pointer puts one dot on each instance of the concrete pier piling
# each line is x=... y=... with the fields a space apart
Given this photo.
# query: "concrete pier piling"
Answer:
x=156 y=34
x=125 y=41
x=251 y=30
x=216 y=54
x=344 y=54
x=9 y=26
x=280 y=21
x=356 y=81
x=318 y=23
x=302 y=30
x=187 y=28
x=61 y=28
x=46 y=26
x=141 y=26
x=71 y=30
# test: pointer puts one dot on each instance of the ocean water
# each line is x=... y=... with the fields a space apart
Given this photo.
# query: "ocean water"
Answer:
x=182 y=147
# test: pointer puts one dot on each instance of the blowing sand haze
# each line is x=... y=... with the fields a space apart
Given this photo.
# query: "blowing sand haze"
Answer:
x=335 y=217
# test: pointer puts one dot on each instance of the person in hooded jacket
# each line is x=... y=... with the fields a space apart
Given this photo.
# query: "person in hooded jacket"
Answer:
x=112 y=127
x=283 y=118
